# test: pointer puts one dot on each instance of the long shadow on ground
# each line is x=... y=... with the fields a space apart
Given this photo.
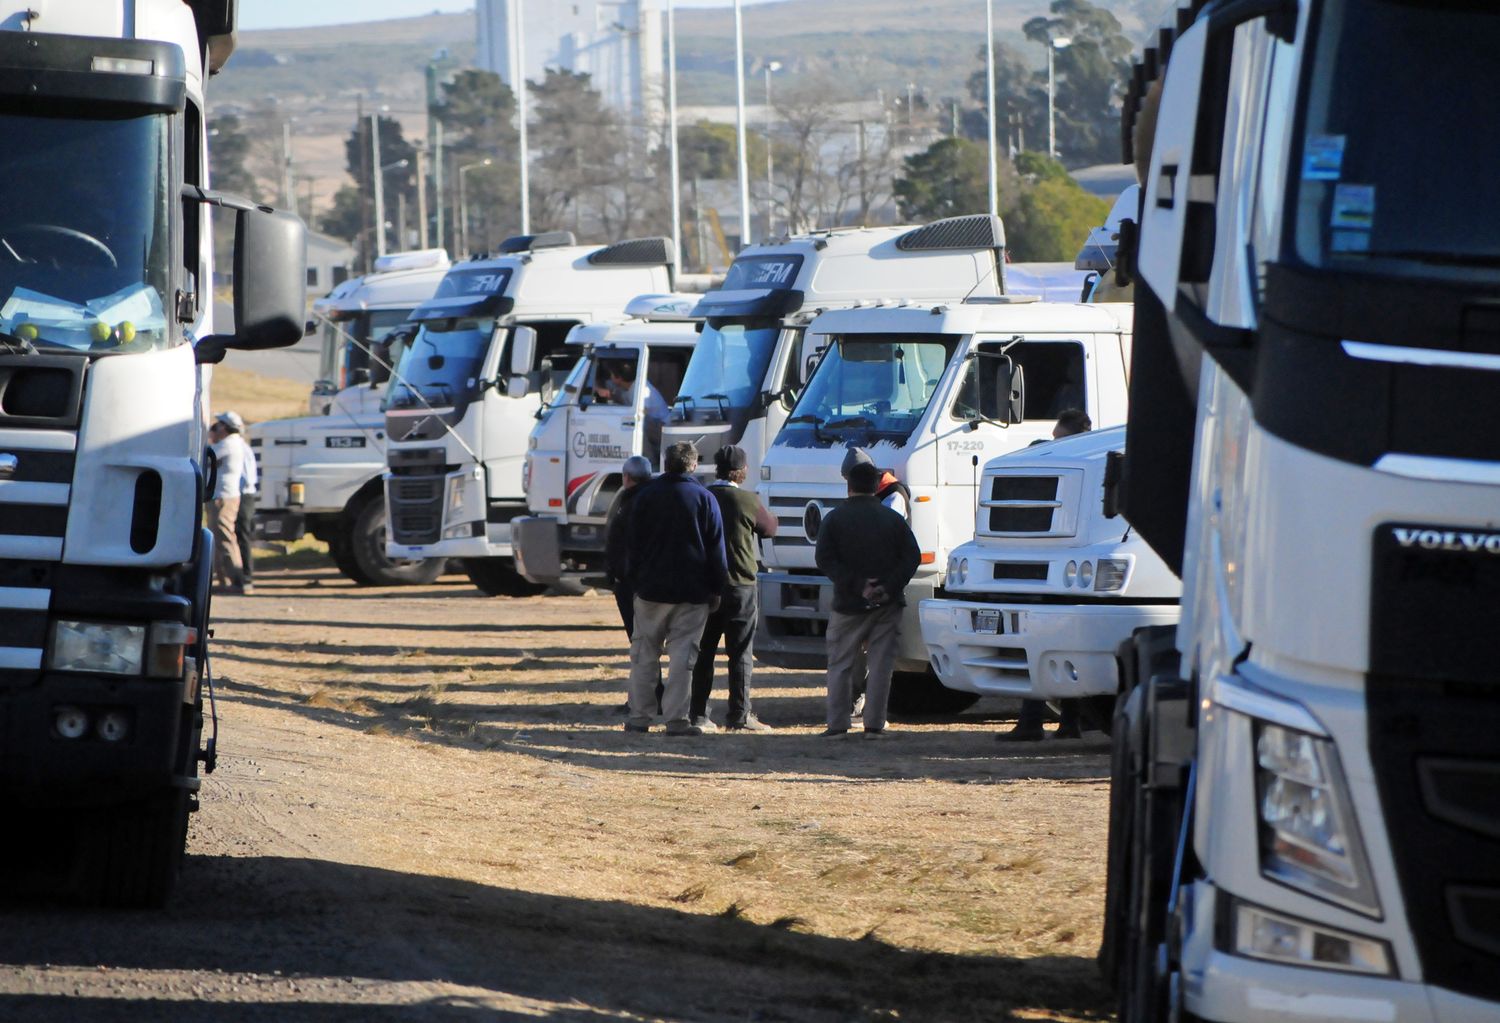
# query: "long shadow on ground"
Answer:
x=595 y=958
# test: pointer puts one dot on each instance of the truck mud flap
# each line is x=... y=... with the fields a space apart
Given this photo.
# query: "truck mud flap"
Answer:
x=537 y=543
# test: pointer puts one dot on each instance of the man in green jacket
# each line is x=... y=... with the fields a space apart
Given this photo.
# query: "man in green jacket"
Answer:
x=869 y=553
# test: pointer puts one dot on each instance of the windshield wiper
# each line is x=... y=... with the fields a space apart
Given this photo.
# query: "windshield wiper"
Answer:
x=815 y=420
x=16 y=345
x=720 y=399
x=836 y=424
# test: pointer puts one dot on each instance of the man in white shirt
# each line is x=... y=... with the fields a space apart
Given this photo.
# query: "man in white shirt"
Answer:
x=244 y=522
x=224 y=508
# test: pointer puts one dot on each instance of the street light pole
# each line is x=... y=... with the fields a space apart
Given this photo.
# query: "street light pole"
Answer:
x=989 y=102
x=421 y=196
x=521 y=115
x=379 y=184
x=1053 y=45
x=771 y=68
x=739 y=119
x=463 y=204
x=672 y=130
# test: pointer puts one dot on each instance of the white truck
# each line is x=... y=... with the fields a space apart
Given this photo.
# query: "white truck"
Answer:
x=324 y=473
x=105 y=318
x=586 y=432
x=490 y=350
x=932 y=392
x=1305 y=810
x=747 y=371
x=1054 y=581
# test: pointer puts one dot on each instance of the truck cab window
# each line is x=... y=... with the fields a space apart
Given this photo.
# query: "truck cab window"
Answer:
x=1054 y=372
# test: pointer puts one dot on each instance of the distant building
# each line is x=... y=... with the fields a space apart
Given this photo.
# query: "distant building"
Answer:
x=619 y=43
x=328 y=263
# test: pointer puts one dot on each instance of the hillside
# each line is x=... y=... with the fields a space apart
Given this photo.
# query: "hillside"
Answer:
x=318 y=78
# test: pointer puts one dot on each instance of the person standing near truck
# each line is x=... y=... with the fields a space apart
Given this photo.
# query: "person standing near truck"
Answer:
x=244 y=522
x=633 y=475
x=675 y=564
x=745 y=519
x=224 y=509
x=869 y=554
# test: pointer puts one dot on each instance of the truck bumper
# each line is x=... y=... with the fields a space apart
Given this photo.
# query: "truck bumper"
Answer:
x=1222 y=987
x=279 y=524
x=40 y=768
x=794 y=612
x=1044 y=651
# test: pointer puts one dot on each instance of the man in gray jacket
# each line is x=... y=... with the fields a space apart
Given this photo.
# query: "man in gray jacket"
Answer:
x=869 y=553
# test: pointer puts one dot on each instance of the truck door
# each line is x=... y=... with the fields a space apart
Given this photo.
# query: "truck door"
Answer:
x=606 y=428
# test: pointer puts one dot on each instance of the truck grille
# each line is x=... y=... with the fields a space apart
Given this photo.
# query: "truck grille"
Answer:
x=791 y=518
x=1434 y=712
x=416 y=509
x=1022 y=504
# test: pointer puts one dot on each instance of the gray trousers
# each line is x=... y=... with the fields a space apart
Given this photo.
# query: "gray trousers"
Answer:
x=876 y=632
x=678 y=628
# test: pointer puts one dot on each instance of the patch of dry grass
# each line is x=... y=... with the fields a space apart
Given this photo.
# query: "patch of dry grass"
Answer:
x=257 y=397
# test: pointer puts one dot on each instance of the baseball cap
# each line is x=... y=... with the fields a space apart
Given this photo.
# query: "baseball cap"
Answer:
x=729 y=458
x=231 y=420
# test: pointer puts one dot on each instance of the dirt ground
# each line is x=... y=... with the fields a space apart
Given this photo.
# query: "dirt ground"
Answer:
x=426 y=809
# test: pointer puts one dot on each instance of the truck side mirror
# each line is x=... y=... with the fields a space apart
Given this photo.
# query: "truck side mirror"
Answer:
x=1010 y=387
x=522 y=351
x=1114 y=479
x=270 y=275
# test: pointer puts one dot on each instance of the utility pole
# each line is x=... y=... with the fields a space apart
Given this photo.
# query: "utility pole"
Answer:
x=366 y=184
x=739 y=117
x=288 y=192
x=379 y=189
x=521 y=114
x=439 y=194
x=989 y=101
x=672 y=123
x=422 y=197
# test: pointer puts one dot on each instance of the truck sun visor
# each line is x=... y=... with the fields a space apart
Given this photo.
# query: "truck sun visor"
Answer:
x=468 y=291
x=41 y=66
x=532 y=242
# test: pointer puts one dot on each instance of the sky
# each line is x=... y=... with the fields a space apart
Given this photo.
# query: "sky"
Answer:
x=300 y=13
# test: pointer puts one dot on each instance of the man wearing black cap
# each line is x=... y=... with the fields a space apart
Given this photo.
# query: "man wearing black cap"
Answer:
x=745 y=519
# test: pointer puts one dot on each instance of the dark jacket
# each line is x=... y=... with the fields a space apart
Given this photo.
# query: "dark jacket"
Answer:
x=862 y=539
x=615 y=537
x=675 y=548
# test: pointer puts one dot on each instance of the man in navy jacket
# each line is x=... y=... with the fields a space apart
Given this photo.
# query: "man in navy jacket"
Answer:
x=676 y=566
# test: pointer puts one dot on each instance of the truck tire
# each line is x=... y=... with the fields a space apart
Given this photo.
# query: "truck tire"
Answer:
x=366 y=543
x=343 y=559
x=919 y=694
x=497 y=577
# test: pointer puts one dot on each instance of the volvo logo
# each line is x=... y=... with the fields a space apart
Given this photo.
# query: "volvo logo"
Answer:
x=812 y=520
x=1446 y=540
x=580 y=445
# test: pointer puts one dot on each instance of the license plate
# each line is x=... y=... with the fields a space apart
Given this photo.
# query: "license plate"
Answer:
x=987 y=623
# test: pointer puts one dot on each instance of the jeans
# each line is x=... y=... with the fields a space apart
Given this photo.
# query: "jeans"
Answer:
x=734 y=621
x=678 y=628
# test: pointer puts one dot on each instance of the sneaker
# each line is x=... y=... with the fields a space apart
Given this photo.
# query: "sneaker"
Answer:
x=705 y=724
x=681 y=727
x=858 y=710
x=750 y=724
x=1019 y=734
x=833 y=733
x=637 y=726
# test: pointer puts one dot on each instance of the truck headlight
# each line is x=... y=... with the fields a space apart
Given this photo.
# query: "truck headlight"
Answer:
x=457 y=488
x=1110 y=574
x=1263 y=934
x=1308 y=836
x=99 y=647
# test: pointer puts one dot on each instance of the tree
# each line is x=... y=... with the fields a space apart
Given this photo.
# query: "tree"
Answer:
x=1091 y=74
x=394 y=148
x=1020 y=101
x=949 y=179
x=1054 y=214
x=347 y=218
x=231 y=148
x=584 y=152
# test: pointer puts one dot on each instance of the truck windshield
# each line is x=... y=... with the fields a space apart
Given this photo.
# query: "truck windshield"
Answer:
x=869 y=387
x=1390 y=180
x=441 y=368
x=85 y=232
x=727 y=368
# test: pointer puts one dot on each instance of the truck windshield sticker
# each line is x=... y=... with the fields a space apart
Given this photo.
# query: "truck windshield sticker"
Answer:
x=1324 y=159
x=1354 y=207
x=775 y=272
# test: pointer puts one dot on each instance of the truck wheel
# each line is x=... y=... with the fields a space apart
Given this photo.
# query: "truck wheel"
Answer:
x=367 y=551
x=136 y=851
x=917 y=694
x=343 y=558
x=497 y=577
